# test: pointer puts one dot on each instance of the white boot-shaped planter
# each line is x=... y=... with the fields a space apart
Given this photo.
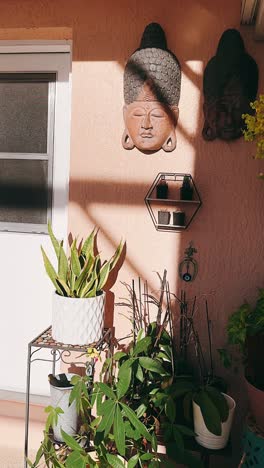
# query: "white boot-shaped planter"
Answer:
x=60 y=398
x=206 y=438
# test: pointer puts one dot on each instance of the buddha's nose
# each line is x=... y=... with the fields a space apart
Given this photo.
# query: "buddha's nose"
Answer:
x=146 y=122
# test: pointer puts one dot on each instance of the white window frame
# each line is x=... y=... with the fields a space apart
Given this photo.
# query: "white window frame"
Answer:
x=61 y=154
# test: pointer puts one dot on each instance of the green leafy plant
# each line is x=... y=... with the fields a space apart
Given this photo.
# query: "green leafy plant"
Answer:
x=254 y=130
x=246 y=321
x=82 y=274
x=245 y=326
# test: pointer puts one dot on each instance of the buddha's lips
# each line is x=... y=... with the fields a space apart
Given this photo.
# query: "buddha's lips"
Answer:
x=146 y=135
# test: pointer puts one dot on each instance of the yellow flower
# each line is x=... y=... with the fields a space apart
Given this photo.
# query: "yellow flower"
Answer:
x=92 y=353
x=254 y=130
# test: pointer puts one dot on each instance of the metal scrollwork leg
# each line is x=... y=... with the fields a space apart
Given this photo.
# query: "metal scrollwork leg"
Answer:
x=27 y=405
x=53 y=352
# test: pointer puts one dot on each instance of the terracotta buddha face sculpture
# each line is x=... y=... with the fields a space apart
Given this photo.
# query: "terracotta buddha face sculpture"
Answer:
x=230 y=84
x=151 y=107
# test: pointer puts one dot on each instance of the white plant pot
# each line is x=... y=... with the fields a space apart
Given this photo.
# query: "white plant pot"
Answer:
x=67 y=421
x=206 y=438
x=78 y=321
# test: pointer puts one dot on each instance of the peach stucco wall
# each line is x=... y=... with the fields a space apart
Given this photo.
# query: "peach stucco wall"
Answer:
x=108 y=184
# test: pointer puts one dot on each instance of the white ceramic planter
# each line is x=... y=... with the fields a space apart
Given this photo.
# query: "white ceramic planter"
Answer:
x=67 y=421
x=206 y=438
x=78 y=321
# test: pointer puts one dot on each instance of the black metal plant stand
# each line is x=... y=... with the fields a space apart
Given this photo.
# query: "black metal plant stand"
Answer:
x=59 y=352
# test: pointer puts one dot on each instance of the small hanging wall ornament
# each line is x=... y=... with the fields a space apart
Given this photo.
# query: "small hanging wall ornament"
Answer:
x=188 y=268
x=230 y=83
x=152 y=82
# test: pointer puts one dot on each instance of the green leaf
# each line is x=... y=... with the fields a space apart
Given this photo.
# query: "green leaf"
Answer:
x=76 y=460
x=116 y=255
x=70 y=441
x=107 y=390
x=50 y=271
x=154 y=442
x=64 y=287
x=152 y=365
x=88 y=246
x=219 y=401
x=85 y=273
x=86 y=287
x=119 y=431
x=139 y=373
x=142 y=346
x=185 y=430
x=181 y=387
x=108 y=420
x=225 y=357
x=105 y=407
x=75 y=262
x=114 y=461
x=93 y=290
x=124 y=366
x=132 y=462
x=170 y=410
x=117 y=356
x=62 y=264
x=178 y=439
x=124 y=382
x=103 y=275
x=55 y=242
x=140 y=334
x=131 y=415
x=146 y=456
x=209 y=411
x=141 y=410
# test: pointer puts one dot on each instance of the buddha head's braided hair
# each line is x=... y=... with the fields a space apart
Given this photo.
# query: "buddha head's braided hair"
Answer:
x=154 y=63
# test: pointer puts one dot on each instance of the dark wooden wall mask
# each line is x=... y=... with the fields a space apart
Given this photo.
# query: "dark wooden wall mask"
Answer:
x=152 y=81
x=230 y=83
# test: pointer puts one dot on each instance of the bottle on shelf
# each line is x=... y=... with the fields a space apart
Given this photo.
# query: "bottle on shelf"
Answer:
x=162 y=189
x=186 y=190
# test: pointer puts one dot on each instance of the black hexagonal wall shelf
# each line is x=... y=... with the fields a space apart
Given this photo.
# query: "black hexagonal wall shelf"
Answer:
x=173 y=201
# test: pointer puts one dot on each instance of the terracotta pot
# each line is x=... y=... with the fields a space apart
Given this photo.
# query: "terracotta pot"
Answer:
x=255 y=352
x=256 y=403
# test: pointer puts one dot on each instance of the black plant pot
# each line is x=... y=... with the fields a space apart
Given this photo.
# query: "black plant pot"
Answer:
x=178 y=218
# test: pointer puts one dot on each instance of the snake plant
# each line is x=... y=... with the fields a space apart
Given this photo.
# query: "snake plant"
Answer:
x=82 y=274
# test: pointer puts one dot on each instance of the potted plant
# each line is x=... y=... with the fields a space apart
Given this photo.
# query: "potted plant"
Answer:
x=254 y=127
x=206 y=403
x=60 y=389
x=79 y=299
x=245 y=330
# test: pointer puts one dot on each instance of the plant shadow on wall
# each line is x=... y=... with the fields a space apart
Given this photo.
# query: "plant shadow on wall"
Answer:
x=139 y=399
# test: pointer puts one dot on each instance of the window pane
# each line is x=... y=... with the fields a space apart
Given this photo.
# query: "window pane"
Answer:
x=23 y=191
x=23 y=115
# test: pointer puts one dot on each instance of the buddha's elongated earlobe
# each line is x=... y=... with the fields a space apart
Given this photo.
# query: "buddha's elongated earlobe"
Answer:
x=127 y=141
x=170 y=143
